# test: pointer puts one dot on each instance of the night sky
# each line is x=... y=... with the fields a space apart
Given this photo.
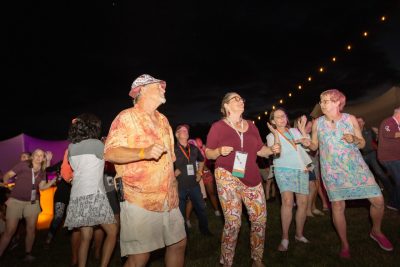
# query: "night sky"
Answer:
x=63 y=58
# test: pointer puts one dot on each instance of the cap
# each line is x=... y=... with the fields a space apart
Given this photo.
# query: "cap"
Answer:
x=143 y=80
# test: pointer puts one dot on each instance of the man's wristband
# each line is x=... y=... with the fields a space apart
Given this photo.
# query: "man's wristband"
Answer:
x=141 y=153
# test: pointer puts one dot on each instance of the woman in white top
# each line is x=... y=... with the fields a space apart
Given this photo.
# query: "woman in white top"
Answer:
x=291 y=174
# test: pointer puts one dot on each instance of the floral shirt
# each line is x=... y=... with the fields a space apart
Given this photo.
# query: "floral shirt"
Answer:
x=149 y=184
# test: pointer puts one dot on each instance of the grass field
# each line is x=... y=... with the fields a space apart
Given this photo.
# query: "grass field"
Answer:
x=204 y=251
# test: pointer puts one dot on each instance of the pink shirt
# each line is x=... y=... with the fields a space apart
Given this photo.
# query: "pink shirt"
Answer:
x=388 y=145
x=221 y=134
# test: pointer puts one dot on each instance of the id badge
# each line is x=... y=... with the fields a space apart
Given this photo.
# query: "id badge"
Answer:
x=190 y=169
x=239 y=165
x=33 y=196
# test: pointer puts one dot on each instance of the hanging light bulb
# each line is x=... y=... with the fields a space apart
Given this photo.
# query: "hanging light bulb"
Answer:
x=321 y=69
x=281 y=101
x=309 y=78
x=334 y=59
x=348 y=47
x=259 y=117
x=266 y=112
x=383 y=18
x=290 y=94
x=273 y=107
x=365 y=34
x=299 y=87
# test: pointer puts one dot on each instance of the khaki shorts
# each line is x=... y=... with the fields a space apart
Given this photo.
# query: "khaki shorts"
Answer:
x=143 y=231
x=17 y=209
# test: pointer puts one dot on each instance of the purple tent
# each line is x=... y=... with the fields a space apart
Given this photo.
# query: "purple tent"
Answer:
x=11 y=149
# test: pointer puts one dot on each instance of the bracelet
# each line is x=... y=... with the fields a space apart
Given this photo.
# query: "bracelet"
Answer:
x=141 y=153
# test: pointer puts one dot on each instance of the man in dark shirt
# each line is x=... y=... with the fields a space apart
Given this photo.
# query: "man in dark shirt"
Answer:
x=389 y=150
x=188 y=175
x=369 y=155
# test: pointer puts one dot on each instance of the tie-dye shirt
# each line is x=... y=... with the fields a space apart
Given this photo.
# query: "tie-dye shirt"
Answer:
x=149 y=184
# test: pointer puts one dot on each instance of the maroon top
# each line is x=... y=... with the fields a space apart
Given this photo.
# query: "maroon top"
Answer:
x=221 y=134
x=388 y=145
x=23 y=182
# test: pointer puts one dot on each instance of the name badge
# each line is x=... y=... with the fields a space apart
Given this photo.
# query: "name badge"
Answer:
x=239 y=165
x=190 y=169
x=33 y=196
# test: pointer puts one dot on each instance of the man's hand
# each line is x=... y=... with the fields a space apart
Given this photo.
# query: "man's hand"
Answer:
x=177 y=172
x=154 y=151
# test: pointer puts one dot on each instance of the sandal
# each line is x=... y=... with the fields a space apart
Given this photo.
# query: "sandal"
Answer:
x=283 y=246
x=301 y=239
x=318 y=212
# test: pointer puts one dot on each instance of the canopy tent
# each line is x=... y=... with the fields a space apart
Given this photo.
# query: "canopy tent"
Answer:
x=11 y=149
x=373 y=111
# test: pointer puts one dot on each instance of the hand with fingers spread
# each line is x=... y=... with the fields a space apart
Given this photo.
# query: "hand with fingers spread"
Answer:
x=225 y=150
x=154 y=151
x=302 y=122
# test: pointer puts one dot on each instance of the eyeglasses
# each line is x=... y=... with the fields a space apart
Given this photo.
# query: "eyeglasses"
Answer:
x=237 y=99
x=325 y=101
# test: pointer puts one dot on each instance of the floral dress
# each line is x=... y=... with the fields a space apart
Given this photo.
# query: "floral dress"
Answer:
x=343 y=170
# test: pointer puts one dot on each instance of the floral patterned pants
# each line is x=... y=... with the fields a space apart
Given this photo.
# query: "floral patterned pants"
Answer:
x=231 y=193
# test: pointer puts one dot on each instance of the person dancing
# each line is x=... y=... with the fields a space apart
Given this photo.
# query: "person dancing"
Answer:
x=235 y=144
x=344 y=172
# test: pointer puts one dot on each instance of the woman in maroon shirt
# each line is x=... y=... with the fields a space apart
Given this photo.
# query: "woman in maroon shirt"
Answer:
x=235 y=144
x=24 y=199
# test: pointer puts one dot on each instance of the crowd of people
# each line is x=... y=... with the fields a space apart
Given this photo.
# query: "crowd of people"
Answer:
x=143 y=179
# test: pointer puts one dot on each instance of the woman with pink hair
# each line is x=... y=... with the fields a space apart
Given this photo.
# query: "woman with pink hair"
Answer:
x=344 y=172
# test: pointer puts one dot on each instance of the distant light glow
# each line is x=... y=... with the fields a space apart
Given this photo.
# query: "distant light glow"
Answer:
x=273 y=107
x=383 y=18
x=365 y=34
x=321 y=69
x=334 y=59
x=299 y=87
x=290 y=94
x=259 y=117
x=281 y=101
x=309 y=79
x=348 y=47
x=266 y=112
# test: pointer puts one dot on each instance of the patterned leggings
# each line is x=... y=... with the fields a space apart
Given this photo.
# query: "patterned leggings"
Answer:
x=59 y=210
x=231 y=193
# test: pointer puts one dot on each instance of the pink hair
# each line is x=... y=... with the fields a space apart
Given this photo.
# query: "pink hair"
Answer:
x=335 y=95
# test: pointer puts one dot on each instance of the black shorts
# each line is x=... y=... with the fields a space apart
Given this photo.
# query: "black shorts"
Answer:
x=114 y=202
x=311 y=176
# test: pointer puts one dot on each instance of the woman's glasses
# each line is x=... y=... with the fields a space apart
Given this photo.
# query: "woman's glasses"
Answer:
x=237 y=99
x=325 y=101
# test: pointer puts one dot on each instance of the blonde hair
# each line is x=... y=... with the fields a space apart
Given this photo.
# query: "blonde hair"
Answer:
x=43 y=165
x=224 y=101
x=335 y=95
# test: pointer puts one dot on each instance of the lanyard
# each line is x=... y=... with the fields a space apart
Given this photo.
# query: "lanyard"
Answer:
x=33 y=179
x=289 y=140
x=239 y=133
x=184 y=152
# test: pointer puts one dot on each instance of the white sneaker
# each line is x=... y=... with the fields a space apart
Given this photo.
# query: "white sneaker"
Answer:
x=188 y=224
x=217 y=213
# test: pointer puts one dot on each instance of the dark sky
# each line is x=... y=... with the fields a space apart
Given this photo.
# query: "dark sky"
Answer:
x=63 y=58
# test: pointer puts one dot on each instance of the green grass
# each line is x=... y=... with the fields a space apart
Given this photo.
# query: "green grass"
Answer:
x=204 y=251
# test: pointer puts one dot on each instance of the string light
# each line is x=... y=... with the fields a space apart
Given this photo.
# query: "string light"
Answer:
x=349 y=47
